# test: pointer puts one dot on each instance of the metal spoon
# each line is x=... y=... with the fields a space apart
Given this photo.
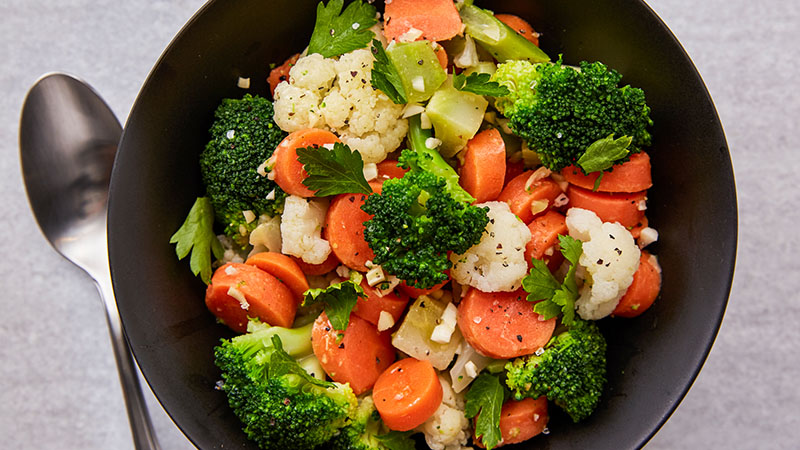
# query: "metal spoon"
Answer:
x=68 y=138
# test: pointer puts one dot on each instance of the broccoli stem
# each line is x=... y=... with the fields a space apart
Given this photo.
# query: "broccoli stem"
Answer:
x=296 y=341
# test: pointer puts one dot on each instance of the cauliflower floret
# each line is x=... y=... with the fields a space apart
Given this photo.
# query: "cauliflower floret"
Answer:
x=609 y=259
x=497 y=262
x=301 y=229
x=340 y=98
x=447 y=428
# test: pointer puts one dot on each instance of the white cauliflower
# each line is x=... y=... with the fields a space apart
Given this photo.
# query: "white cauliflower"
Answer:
x=609 y=259
x=497 y=262
x=301 y=229
x=337 y=95
x=447 y=428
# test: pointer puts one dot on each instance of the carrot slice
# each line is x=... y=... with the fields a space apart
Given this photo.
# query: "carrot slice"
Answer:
x=283 y=268
x=502 y=325
x=289 y=172
x=484 y=169
x=631 y=176
x=521 y=26
x=265 y=297
x=317 y=269
x=544 y=235
x=388 y=168
x=643 y=291
x=281 y=73
x=345 y=231
x=441 y=55
x=437 y=19
x=513 y=170
x=358 y=357
x=415 y=292
x=623 y=207
x=521 y=420
x=370 y=308
x=407 y=394
x=520 y=200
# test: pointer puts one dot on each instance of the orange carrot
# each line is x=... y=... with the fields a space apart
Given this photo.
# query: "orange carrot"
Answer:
x=544 y=235
x=289 y=172
x=502 y=325
x=345 y=231
x=283 y=268
x=521 y=26
x=631 y=176
x=358 y=357
x=636 y=231
x=317 y=269
x=415 y=292
x=484 y=169
x=513 y=170
x=370 y=308
x=520 y=200
x=623 y=207
x=521 y=420
x=238 y=290
x=407 y=394
x=437 y=19
x=643 y=291
x=388 y=168
x=281 y=73
x=441 y=55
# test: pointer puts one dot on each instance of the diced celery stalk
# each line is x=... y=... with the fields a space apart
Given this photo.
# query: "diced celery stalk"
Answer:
x=482 y=67
x=413 y=337
x=417 y=61
x=456 y=117
x=498 y=38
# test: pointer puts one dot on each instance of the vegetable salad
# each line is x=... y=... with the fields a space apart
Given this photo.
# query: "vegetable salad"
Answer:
x=416 y=232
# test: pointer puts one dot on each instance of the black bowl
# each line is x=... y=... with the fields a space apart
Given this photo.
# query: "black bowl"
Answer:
x=653 y=359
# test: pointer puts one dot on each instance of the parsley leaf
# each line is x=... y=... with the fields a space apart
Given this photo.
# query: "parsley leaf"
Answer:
x=197 y=235
x=486 y=396
x=339 y=300
x=385 y=76
x=603 y=153
x=336 y=32
x=478 y=83
x=397 y=440
x=281 y=363
x=332 y=172
x=556 y=298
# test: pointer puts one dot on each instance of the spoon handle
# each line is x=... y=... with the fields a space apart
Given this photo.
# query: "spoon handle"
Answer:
x=144 y=437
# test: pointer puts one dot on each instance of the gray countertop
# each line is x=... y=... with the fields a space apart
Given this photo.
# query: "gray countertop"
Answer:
x=59 y=387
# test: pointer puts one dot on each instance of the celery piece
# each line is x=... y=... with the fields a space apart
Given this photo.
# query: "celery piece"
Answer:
x=456 y=117
x=413 y=337
x=482 y=67
x=418 y=67
x=498 y=38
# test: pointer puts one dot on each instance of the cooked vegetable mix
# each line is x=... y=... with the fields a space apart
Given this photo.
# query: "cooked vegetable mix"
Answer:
x=432 y=215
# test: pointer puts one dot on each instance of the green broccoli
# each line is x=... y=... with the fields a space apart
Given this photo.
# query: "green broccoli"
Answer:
x=560 y=110
x=570 y=371
x=243 y=137
x=365 y=432
x=421 y=217
x=279 y=403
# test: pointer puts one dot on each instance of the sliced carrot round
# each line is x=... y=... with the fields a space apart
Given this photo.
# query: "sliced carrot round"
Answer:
x=521 y=420
x=437 y=19
x=345 y=231
x=388 y=168
x=625 y=208
x=407 y=394
x=283 y=268
x=484 y=169
x=317 y=269
x=544 y=235
x=631 y=176
x=370 y=308
x=502 y=325
x=281 y=73
x=415 y=292
x=520 y=200
x=238 y=290
x=289 y=172
x=521 y=26
x=358 y=357
x=643 y=291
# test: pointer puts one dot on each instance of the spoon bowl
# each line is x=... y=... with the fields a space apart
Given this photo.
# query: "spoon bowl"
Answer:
x=68 y=141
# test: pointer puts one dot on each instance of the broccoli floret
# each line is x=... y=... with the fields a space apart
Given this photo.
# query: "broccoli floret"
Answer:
x=280 y=405
x=364 y=432
x=419 y=218
x=570 y=372
x=243 y=137
x=560 y=110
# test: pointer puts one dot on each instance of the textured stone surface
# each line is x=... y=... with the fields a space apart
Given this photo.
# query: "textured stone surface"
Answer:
x=58 y=379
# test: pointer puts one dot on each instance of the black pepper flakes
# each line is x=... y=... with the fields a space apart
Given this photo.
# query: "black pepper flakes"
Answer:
x=519 y=337
x=600 y=262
